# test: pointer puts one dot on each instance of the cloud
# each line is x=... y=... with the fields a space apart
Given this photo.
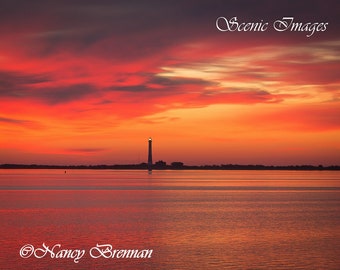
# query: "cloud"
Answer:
x=243 y=97
x=129 y=88
x=15 y=83
x=64 y=94
x=97 y=53
x=158 y=120
x=307 y=118
x=179 y=81
x=34 y=86
x=20 y=122
x=254 y=75
x=85 y=150
x=158 y=84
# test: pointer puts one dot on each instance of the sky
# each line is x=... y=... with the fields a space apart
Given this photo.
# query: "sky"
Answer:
x=88 y=82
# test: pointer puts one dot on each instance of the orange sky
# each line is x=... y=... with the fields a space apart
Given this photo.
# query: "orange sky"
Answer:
x=88 y=82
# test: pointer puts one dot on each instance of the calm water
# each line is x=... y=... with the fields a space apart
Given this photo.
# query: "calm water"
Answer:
x=190 y=219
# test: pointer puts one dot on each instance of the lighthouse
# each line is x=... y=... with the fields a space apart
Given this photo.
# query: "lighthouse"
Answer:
x=150 y=155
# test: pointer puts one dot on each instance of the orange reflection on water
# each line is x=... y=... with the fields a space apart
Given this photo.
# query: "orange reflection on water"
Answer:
x=187 y=227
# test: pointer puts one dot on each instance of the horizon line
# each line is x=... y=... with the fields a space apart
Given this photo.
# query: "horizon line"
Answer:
x=161 y=165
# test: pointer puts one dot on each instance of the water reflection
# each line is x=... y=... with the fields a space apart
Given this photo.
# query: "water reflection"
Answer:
x=247 y=227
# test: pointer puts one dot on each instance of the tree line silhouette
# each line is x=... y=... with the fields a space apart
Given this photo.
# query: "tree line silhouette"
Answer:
x=162 y=165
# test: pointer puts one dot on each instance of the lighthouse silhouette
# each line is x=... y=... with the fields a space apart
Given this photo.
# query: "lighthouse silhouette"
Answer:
x=150 y=155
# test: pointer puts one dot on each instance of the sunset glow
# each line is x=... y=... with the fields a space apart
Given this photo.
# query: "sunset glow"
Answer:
x=84 y=83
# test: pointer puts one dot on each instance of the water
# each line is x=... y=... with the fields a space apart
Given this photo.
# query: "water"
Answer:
x=190 y=219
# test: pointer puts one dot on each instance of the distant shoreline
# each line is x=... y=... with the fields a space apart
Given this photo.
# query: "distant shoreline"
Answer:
x=173 y=166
